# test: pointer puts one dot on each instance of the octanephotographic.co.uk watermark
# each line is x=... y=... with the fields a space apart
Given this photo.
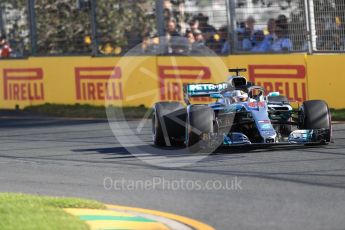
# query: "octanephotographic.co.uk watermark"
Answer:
x=162 y=183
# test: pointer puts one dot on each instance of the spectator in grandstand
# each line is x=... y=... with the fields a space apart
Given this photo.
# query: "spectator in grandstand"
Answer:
x=206 y=29
x=224 y=40
x=333 y=41
x=199 y=39
x=175 y=43
x=167 y=14
x=282 y=22
x=245 y=35
x=194 y=24
x=167 y=10
x=175 y=9
x=218 y=41
x=167 y=4
x=250 y=26
x=226 y=48
x=199 y=47
x=190 y=36
x=172 y=28
x=305 y=44
x=283 y=43
x=339 y=41
x=179 y=45
x=244 y=42
x=5 y=49
x=134 y=37
x=150 y=44
x=271 y=29
x=321 y=35
x=328 y=36
x=260 y=44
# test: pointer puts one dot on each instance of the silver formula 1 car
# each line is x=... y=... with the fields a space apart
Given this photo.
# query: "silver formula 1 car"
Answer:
x=242 y=114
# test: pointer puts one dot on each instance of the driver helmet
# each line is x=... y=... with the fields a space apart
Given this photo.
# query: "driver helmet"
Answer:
x=240 y=96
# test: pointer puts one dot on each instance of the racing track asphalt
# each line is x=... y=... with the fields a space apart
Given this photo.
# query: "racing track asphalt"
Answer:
x=281 y=188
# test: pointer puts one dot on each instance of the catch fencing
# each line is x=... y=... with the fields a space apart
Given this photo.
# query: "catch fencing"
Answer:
x=113 y=27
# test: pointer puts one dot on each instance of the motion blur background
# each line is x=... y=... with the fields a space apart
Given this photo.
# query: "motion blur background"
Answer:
x=112 y=27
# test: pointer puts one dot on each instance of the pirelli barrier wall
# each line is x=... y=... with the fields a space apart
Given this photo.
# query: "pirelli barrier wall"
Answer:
x=130 y=81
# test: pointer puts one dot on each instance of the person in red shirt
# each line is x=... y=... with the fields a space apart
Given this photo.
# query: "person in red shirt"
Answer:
x=5 y=49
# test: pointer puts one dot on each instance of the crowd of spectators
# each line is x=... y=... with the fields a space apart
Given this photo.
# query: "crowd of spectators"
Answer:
x=193 y=33
x=275 y=38
x=330 y=35
x=197 y=36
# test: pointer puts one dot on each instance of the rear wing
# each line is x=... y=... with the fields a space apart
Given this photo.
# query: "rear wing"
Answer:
x=202 y=90
x=237 y=71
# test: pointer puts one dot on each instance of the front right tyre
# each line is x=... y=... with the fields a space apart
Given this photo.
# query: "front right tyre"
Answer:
x=315 y=114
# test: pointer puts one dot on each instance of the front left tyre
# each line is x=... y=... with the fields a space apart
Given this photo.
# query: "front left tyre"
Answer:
x=199 y=122
x=168 y=124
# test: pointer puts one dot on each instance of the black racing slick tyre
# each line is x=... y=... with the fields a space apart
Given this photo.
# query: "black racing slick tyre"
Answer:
x=315 y=114
x=199 y=121
x=168 y=123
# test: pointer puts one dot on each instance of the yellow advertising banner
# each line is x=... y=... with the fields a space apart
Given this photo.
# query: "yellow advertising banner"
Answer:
x=131 y=81
x=286 y=74
x=326 y=78
x=174 y=72
x=53 y=80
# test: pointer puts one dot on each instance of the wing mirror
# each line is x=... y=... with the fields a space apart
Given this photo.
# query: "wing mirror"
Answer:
x=274 y=94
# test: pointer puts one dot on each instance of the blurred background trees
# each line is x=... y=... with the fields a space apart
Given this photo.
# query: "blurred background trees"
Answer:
x=15 y=26
x=64 y=26
x=61 y=27
x=121 y=25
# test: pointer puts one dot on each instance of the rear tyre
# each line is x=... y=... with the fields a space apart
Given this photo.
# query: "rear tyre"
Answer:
x=315 y=114
x=168 y=123
x=199 y=122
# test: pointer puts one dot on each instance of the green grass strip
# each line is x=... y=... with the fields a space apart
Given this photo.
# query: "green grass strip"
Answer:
x=18 y=211
x=338 y=115
x=115 y=218
x=91 y=111
x=87 y=111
